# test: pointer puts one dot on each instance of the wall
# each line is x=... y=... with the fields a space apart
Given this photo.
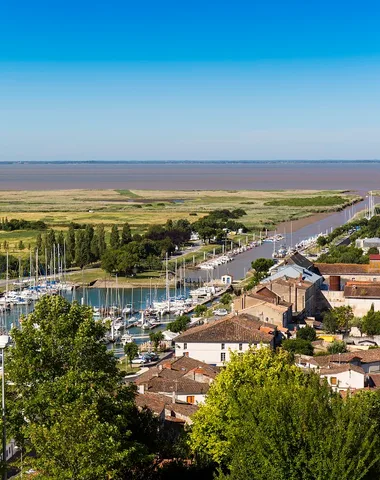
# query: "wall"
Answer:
x=345 y=380
x=360 y=306
x=210 y=352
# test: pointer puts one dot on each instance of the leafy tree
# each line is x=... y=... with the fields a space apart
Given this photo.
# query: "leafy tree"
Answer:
x=226 y=299
x=299 y=345
x=131 y=351
x=371 y=322
x=94 y=249
x=264 y=419
x=373 y=251
x=126 y=235
x=262 y=265
x=339 y=318
x=156 y=338
x=114 y=238
x=68 y=404
x=199 y=310
x=82 y=249
x=21 y=245
x=337 y=347
x=100 y=234
x=179 y=325
x=39 y=242
x=321 y=241
x=70 y=245
x=307 y=333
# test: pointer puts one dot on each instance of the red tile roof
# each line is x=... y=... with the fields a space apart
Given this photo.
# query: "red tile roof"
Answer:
x=334 y=368
x=235 y=329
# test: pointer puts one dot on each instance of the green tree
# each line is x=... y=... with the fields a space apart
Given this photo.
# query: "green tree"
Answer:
x=264 y=419
x=179 y=324
x=262 y=265
x=21 y=245
x=373 y=251
x=226 y=299
x=68 y=405
x=82 y=249
x=126 y=235
x=156 y=338
x=39 y=242
x=371 y=322
x=70 y=245
x=131 y=351
x=330 y=322
x=100 y=233
x=114 y=238
x=307 y=333
x=337 y=347
x=298 y=345
x=199 y=310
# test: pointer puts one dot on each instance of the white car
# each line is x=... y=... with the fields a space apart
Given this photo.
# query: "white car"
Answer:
x=139 y=361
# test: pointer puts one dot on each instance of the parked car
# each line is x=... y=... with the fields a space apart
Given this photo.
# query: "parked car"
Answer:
x=139 y=361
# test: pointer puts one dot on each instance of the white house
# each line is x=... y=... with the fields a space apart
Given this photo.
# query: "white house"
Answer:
x=344 y=377
x=212 y=343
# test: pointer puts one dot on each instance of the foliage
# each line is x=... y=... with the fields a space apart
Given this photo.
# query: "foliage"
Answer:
x=200 y=310
x=226 y=299
x=307 y=333
x=344 y=254
x=371 y=322
x=264 y=419
x=19 y=224
x=156 y=338
x=298 y=345
x=339 y=318
x=179 y=324
x=337 y=347
x=68 y=405
x=131 y=351
x=320 y=201
x=262 y=265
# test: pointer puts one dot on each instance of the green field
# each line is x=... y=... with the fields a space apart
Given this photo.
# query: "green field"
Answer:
x=141 y=208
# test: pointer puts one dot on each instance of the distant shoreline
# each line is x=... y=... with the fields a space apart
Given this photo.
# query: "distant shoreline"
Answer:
x=181 y=162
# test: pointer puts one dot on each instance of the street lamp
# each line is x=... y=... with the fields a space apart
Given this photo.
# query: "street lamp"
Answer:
x=4 y=341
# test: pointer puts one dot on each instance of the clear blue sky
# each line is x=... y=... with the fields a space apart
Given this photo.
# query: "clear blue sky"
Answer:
x=123 y=80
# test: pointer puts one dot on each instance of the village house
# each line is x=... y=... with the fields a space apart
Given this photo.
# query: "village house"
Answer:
x=344 y=377
x=337 y=274
x=183 y=379
x=211 y=343
x=296 y=272
x=359 y=295
x=366 y=243
x=164 y=407
x=265 y=305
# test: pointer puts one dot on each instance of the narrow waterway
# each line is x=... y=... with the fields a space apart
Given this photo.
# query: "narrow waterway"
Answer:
x=242 y=262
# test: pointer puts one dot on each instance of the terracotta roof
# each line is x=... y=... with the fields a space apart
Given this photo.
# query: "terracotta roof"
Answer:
x=374 y=256
x=185 y=409
x=346 y=269
x=334 y=368
x=234 y=329
x=292 y=281
x=259 y=300
x=153 y=401
x=364 y=356
x=183 y=365
x=374 y=378
x=362 y=290
x=180 y=385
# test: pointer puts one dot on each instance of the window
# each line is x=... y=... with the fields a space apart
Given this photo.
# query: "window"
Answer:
x=185 y=346
x=333 y=381
x=190 y=399
x=240 y=346
x=223 y=357
x=223 y=346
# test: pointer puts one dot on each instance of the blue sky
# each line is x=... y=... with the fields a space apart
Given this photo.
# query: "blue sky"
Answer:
x=122 y=80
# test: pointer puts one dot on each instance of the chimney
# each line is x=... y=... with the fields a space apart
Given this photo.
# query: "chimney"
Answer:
x=160 y=367
x=141 y=388
x=173 y=396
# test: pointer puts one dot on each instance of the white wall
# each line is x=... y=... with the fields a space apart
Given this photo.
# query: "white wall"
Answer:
x=210 y=352
x=360 y=306
x=345 y=380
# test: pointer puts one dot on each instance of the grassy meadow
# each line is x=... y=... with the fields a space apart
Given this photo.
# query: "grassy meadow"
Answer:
x=141 y=208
